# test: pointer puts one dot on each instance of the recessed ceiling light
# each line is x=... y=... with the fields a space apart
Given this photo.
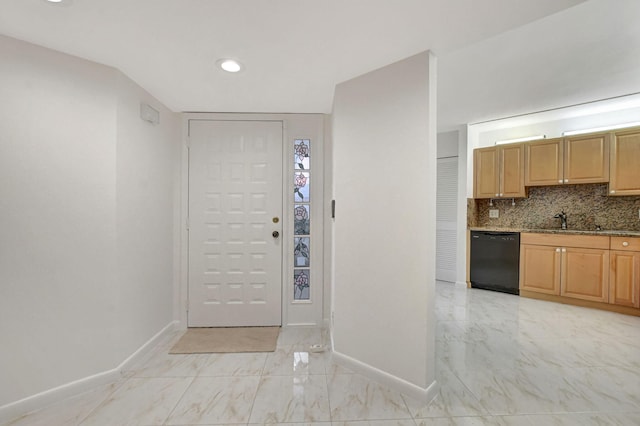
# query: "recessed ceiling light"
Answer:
x=230 y=65
x=54 y=1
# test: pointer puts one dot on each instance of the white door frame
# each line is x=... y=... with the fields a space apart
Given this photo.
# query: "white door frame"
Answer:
x=309 y=126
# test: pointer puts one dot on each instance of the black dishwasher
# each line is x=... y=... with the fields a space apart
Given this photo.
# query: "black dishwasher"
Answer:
x=495 y=261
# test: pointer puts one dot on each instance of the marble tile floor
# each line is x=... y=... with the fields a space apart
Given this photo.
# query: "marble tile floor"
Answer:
x=501 y=360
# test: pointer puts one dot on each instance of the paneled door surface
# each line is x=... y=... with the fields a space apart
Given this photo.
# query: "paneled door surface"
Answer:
x=235 y=211
x=446 y=216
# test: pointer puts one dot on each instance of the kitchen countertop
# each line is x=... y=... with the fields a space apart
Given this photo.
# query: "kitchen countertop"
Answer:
x=612 y=233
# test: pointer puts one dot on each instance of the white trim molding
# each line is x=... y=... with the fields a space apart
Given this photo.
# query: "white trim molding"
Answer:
x=40 y=400
x=425 y=395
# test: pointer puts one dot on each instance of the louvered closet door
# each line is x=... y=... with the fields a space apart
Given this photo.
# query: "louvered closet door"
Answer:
x=446 y=212
x=235 y=192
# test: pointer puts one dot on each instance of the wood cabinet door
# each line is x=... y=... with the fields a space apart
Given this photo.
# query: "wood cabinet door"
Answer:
x=486 y=177
x=586 y=159
x=543 y=162
x=540 y=268
x=624 y=278
x=625 y=163
x=585 y=274
x=512 y=171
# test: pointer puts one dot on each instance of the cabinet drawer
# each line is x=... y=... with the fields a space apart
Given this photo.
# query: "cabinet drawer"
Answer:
x=557 y=240
x=625 y=243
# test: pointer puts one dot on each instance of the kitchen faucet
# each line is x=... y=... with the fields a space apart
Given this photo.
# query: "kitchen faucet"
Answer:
x=563 y=219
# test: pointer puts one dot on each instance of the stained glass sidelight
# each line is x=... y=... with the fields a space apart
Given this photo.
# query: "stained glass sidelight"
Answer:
x=301 y=187
x=301 y=221
x=301 y=252
x=301 y=156
x=301 y=284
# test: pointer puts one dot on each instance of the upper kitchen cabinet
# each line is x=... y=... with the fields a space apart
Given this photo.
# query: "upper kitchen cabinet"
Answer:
x=586 y=159
x=625 y=163
x=544 y=162
x=576 y=159
x=499 y=172
x=486 y=180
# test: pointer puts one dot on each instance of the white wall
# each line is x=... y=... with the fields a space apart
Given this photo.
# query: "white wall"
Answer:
x=579 y=54
x=385 y=188
x=147 y=166
x=83 y=185
x=448 y=144
x=57 y=226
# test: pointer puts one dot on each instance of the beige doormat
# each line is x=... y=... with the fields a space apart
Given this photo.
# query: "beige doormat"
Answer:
x=227 y=339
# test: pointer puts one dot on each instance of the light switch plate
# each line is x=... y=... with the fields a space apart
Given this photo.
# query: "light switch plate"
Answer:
x=494 y=213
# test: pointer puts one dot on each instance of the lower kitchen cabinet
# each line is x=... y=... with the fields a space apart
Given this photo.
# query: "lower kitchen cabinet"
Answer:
x=585 y=274
x=565 y=265
x=624 y=278
x=540 y=268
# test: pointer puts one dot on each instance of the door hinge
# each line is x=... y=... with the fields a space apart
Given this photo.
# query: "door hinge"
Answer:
x=187 y=224
x=187 y=142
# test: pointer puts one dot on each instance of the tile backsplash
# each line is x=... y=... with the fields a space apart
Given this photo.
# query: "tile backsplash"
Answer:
x=586 y=206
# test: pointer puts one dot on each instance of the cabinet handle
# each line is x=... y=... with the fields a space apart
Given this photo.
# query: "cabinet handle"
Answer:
x=612 y=191
x=625 y=244
x=564 y=250
x=497 y=195
x=559 y=180
x=501 y=195
x=566 y=181
x=557 y=250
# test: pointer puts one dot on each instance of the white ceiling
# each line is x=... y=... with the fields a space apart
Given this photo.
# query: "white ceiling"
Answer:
x=295 y=51
x=583 y=54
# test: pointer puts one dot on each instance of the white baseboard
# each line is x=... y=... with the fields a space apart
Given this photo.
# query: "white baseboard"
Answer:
x=40 y=400
x=147 y=347
x=300 y=325
x=425 y=395
x=461 y=283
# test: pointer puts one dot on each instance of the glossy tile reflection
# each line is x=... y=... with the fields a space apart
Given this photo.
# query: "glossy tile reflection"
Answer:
x=500 y=360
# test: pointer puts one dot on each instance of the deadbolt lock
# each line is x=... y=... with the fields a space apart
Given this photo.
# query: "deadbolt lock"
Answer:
x=275 y=234
x=276 y=219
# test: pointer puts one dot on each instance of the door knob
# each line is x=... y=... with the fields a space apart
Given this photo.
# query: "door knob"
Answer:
x=275 y=234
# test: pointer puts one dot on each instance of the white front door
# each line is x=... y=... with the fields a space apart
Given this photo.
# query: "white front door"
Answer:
x=235 y=207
